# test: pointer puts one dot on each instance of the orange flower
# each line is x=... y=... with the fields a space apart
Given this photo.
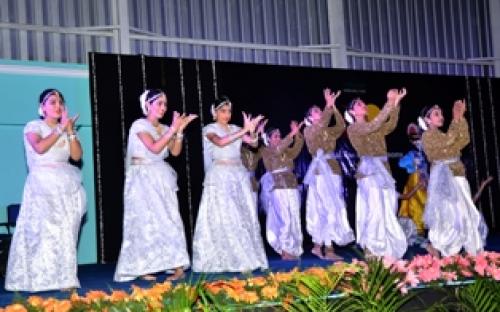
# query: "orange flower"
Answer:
x=62 y=306
x=76 y=298
x=15 y=308
x=118 y=295
x=281 y=277
x=214 y=288
x=249 y=297
x=304 y=290
x=269 y=292
x=35 y=301
x=138 y=293
x=95 y=295
x=257 y=281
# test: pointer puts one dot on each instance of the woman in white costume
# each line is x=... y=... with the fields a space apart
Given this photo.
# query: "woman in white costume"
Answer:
x=153 y=232
x=450 y=214
x=43 y=251
x=227 y=235
x=326 y=215
x=280 y=196
x=377 y=228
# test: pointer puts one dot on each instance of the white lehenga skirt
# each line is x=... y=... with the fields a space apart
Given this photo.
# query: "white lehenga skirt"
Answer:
x=43 y=253
x=453 y=219
x=377 y=226
x=326 y=215
x=283 y=228
x=227 y=235
x=153 y=231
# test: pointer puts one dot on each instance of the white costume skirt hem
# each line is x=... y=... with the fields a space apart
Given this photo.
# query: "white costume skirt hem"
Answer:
x=227 y=235
x=153 y=231
x=283 y=228
x=377 y=226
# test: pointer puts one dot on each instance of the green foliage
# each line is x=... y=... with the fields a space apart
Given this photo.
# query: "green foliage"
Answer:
x=374 y=290
x=309 y=294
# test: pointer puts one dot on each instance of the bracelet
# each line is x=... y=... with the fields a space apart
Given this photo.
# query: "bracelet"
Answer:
x=179 y=136
x=72 y=137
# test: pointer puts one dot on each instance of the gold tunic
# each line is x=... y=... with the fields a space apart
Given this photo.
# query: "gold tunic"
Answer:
x=321 y=136
x=250 y=160
x=368 y=138
x=282 y=156
x=441 y=146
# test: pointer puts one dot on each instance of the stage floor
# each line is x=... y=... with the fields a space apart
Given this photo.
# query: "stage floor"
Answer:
x=100 y=276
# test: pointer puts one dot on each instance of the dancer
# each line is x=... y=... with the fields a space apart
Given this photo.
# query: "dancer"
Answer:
x=378 y=230
x=415 y=164
x=281 y=197
x=153 y=232
x=43 y=251
x=326 y=216
x=250 y=157
x=227 y=234
x=450 y=213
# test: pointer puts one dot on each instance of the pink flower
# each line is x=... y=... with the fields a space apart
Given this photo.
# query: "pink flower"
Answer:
x=481 y=264
x=447 y=261
x=431 y=274
x=494 y=272
x=463 y=262
x=466 y=273
x=388 y=261
x=411 y=278
x=449 y=276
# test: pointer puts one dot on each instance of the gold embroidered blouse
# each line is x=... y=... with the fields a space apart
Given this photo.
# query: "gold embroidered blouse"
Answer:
x=368 y=138
x=282 y=156
x=439 y=145
x=250 y=160
x=321 y=136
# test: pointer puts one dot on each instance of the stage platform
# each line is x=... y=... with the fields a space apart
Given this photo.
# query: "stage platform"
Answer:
x=100 y=276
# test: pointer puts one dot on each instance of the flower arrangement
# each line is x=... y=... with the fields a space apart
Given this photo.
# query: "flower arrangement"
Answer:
x=357 y=284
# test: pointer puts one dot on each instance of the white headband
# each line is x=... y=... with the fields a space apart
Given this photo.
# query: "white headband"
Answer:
x=143 y=100
x=213 y=108
x=348 y=117
x=422 y=124
x=40 y=110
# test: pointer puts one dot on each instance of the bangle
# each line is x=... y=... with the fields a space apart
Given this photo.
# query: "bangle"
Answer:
x=72 y=137
x=179 y=136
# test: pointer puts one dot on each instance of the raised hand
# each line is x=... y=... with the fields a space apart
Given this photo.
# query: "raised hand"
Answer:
x=295 y=127
x=392 y=95
x=186 y=120
x=257 y=120
x=176 y=121
x=68 y=123
x=401 y=94
x=330 y=97
x=262 y=126
x=459 y=109
x=247 y=123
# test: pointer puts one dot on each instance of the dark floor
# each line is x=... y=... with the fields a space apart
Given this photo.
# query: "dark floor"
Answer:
x=100 y=276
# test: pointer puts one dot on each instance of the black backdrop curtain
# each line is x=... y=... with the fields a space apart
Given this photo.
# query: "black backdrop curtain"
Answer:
x=282 y=94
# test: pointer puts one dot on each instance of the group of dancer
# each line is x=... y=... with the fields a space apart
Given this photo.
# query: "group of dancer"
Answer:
x=227 y=235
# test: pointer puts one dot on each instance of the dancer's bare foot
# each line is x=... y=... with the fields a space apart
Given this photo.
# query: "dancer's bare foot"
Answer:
x=178 y=274
x=286 y=256
x=331 y=255
x=148 y=277
x=317 y=251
